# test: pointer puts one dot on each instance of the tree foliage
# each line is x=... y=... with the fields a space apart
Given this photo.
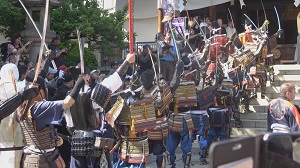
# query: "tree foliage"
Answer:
x=73 y=57
x=104 y=29
x=12 y=19
x=99 y=27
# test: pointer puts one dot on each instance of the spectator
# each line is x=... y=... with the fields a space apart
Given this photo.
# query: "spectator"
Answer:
x=52 y=82
x=57 y=54
x=282 y=111
x=230 y=30
x=68 y=83
x=114 y=66
x=15 y=48
x=223 y=29
x=159 y=38
x=203 y=22
x=207 y=27
x=168 y=57
x=144 y=59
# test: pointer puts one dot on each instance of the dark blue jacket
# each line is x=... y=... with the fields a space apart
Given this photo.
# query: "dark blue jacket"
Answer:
x=282 y=111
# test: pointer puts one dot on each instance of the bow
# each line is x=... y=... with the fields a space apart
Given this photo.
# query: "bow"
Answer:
x=278 y=20
x=38 y=31
x=42 y=42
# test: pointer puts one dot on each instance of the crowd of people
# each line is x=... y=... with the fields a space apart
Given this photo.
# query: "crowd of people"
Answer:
x=187 y=85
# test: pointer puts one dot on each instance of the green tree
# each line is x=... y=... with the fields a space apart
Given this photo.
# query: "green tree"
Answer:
x=97 y=25
x=73 y=57
x=12 y=19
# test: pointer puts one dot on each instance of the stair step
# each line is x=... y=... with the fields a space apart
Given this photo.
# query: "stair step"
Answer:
x=286 y=67
x=254 y=116
x=253 y=123
x=280 y=79
x=276 y=95
x=276 y=89
x=247 y=131
x=265 y=102
x=287 y=72
x=259 y=108
x=261 y=102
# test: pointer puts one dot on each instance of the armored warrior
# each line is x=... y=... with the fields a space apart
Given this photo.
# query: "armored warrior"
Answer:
x=180 y=121
x=162 y=96
x=36 y=115
x=87 y=119
x=136 y=118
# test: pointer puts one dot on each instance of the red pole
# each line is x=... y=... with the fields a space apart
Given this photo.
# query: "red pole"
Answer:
x=130 y=12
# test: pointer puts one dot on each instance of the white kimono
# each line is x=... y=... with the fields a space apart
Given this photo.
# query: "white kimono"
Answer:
x=10 y=130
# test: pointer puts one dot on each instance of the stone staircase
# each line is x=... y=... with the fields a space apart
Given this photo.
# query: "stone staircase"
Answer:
x=256 y=123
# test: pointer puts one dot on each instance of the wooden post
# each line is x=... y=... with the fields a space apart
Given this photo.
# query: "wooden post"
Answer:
x=160 y=25
x=212 y=12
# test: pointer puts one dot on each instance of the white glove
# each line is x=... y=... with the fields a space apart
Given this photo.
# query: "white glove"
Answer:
x=61 y=73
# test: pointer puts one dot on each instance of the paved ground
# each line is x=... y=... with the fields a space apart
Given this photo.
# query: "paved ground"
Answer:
x=195 y=163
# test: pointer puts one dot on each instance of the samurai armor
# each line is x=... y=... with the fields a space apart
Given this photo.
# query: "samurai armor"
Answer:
x=101 y=95
x=216 y=43
x=135 y=152
x=10 y=105
x=257 y=71
x=250 y=46
x=237 y=43
x=175 y=122
x=227 y=83
x=200 y=118
x=46 y=160
x=83 y=144
x=140 y=115
x=125 y=133
x=249 y=84
x=115 y=111
x=218 y=117
x=185 y=95
x=223 y=98
x=161 y=130
x=105 y=143
x=247 y=58
x=163 y=98
x=272 y=42
x=83 y=114
x=167 y=98
x=42 y=140
x=246 y=37
x=205 y=98
x=236 y=76
x=211 y=68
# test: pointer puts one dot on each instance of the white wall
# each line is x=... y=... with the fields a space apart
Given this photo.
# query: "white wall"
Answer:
x=145 y=19
x=109 y=5
x=145 y=29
